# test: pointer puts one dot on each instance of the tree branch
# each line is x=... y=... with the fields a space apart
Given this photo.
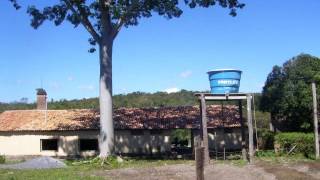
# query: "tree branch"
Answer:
x=106 y=23
x=84 y=21
x=117 y=27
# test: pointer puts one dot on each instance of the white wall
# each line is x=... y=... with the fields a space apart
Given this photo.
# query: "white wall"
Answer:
x=29 y=143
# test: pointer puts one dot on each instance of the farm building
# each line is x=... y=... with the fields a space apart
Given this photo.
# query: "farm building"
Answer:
x=137 y=130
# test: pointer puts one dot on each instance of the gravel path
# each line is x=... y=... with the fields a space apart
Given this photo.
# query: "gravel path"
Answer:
x=37 y=163
x=187 y=172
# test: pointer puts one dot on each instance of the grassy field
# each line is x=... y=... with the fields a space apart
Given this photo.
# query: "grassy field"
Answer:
x=282 y=167
x=83 y=169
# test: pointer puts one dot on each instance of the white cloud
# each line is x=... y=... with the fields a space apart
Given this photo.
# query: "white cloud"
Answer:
x=172 y=90
x=186 y=74
x=70 y=78
x=87 y=87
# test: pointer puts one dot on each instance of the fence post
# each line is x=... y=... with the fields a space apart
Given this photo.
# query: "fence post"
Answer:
x=204 y=129
x=250 y=128
x=315 y=119
x=200 y=163
x=243 y=134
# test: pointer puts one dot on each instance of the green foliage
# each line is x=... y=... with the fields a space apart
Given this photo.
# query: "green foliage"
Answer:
x=181 y=136
x=287 y=93
x=158 y=99
x=105 y=18
x=16 y=106
x=265 y=153
x=135 y=99
x=297 y=142
x=266 y=139
x=2 y=159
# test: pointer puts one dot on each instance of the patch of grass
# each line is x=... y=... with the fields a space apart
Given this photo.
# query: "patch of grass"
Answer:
x=112 y=162
x=84 y=169
x=238 y=163
x=49 y=174
x=2 y=159
x=271 y=157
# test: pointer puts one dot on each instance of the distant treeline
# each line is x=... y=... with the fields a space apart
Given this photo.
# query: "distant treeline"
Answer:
x=135 y=99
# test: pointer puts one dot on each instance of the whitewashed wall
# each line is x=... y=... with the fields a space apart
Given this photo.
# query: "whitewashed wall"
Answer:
x=29 y=143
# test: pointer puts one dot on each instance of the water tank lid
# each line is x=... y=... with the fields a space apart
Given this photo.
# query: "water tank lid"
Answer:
x=223 y=70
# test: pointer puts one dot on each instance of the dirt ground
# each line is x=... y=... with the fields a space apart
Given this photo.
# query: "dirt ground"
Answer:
x=187 y=172
x=293 y=171
x=258 y=171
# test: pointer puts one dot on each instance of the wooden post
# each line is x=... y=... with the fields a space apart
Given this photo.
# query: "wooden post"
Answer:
x=250 y=128
x=204 y=130
x=200 y=163
x=315 y=119
x=215 y=143
x=243 y=134
x=255 y=122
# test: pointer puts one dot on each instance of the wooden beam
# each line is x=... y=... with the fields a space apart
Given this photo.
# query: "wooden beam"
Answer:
x=243 y=133
x=204 y=130
x=315 y=119
x=200 y=158
x=250 y=128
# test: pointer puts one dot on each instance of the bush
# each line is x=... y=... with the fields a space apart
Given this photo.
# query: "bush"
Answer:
x=265 y=139
x=2 y=159
x=269 y=153
x=296 y=142
x=180 y=137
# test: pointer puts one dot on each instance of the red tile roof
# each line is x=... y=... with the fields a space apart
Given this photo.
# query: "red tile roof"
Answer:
x=124 y=118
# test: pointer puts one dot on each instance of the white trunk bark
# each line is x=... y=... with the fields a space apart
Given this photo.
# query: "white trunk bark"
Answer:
x=106 y=138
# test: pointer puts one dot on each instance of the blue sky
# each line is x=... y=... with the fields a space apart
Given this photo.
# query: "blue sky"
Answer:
x=158 y=54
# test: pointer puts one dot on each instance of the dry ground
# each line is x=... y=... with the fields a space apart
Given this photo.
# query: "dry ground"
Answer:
x=261 y=170
x=187 y=172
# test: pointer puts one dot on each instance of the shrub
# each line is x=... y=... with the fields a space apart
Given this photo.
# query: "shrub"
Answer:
x=180 y=137
x=265 y=139
x=2 y=159
x=268 y=153
x=296 y=142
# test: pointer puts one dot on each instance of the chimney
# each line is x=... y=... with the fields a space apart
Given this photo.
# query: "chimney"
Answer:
x=41 y=99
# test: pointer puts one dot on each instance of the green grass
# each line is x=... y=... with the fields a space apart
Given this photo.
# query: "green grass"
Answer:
x=83 y=169
x=271 y=157
x=238 y=163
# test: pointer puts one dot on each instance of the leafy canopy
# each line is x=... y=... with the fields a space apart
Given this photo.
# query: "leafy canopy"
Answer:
x=287 y=93
x=110 y=15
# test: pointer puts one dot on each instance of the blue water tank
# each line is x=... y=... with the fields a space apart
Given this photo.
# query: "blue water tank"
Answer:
x=224 y=81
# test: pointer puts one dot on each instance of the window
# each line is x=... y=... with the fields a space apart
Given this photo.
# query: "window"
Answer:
x=89 y=145
x=137 y=132
x=49 y=144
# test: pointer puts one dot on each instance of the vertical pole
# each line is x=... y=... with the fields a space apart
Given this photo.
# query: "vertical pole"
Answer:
x=255 y=121
x=204 y=129
x=250 y=128
x=200 y=163
x=215 y=143
x=315 y=119
x=243 y=134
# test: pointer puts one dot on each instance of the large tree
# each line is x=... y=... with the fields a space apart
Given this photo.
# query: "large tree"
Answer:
x=287 y=93
x=103 y=19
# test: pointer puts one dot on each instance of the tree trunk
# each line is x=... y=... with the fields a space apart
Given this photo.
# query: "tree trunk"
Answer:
x=106 y=138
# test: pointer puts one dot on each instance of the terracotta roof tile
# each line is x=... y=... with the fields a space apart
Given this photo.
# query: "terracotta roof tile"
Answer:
x=124 y=118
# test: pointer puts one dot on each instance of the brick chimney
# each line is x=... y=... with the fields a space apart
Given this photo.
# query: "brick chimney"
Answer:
x=41 y=99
